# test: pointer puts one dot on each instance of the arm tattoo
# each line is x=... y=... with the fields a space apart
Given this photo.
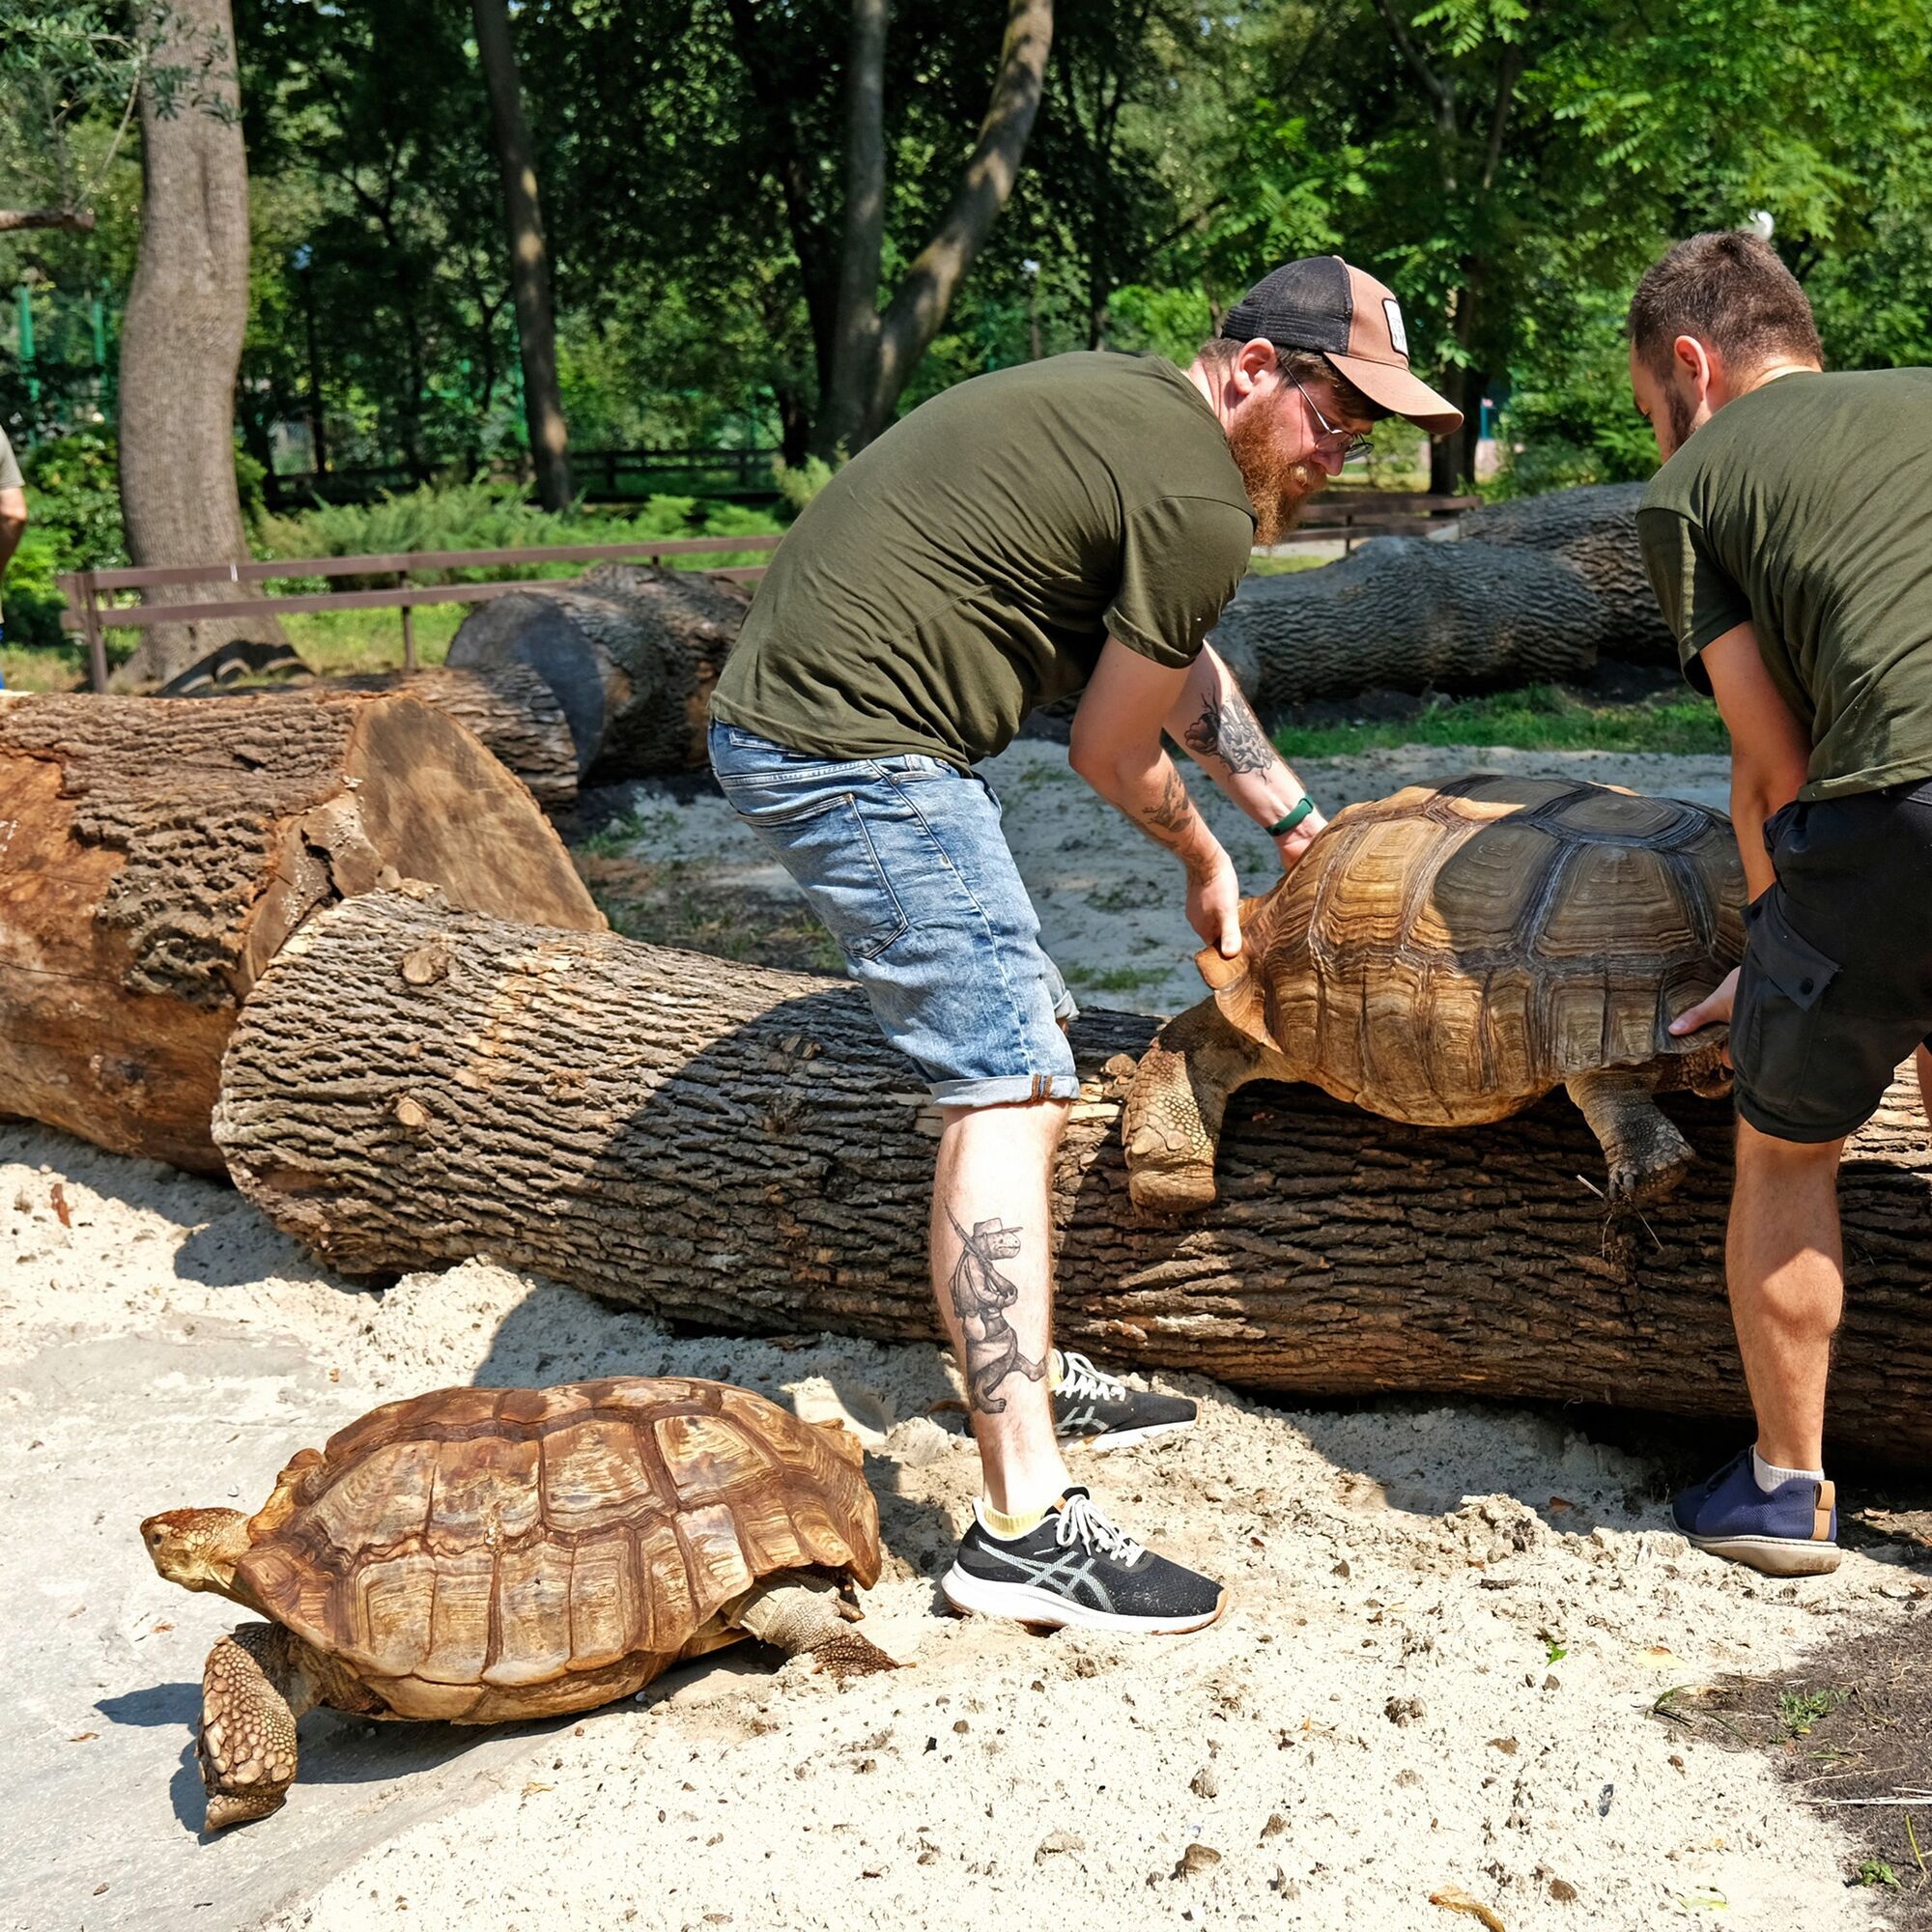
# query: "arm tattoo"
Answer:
x=980 y=1296
x=1228 y=729
x=1172 y=815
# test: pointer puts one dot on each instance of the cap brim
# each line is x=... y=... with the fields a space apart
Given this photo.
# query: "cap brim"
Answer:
x=1396 y=390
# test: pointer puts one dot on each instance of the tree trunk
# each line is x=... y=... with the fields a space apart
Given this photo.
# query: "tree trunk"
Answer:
x=155 y=853
x=529 y=257
x=752 y=1158
x=855 y=344
x=631 y=654
x=181 y=335
x=512 y=709
x=1407 y=614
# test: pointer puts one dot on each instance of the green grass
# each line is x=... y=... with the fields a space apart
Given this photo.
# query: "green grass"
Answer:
x=1539 y=718
x=1115 y=978
x=1281 y=566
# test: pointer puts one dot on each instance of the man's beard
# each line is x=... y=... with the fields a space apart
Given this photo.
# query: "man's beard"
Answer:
x=1680 y=408
x=1277 y=486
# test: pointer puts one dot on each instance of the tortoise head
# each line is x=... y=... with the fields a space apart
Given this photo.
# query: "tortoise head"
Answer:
x=198 y=1549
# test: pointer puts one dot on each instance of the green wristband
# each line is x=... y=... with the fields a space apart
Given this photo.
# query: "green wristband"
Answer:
x=1293 y=819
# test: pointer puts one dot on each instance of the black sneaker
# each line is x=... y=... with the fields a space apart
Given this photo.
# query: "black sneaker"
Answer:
x=1089 y=1405
x=1074 y=1567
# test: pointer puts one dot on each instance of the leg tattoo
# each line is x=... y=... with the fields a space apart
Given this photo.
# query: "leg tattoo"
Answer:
x=980 y=1296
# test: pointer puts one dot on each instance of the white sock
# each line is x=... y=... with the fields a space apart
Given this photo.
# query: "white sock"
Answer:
x=1769 y=1475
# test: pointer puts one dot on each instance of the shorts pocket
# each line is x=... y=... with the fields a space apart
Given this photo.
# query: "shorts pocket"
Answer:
x=825 y=845
x=1783 y=978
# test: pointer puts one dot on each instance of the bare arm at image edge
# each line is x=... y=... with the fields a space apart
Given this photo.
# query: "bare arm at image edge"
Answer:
x=1116 y=747
x=13 y=523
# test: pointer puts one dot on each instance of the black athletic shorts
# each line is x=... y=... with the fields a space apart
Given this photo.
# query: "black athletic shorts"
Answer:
x=1836 y=982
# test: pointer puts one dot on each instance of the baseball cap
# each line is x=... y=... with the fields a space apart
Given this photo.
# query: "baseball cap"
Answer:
x=1321 y=304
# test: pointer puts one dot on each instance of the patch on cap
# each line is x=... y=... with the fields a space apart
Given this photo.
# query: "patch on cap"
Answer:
x=1397 y=334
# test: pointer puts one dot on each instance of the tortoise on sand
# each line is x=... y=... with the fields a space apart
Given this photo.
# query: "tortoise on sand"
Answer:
x=482 y=1555
x=1447 y=957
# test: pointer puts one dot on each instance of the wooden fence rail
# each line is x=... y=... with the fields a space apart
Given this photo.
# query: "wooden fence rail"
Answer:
x=89 y=615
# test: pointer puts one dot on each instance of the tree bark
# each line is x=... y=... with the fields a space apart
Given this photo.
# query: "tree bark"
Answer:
x=854 y=345
x=630 y=653
x=181 y=335
x=512 y=709
x=155 y=853
x=752 y=1158
x=529 y=255
x=1593 y=528
x=1406 y=614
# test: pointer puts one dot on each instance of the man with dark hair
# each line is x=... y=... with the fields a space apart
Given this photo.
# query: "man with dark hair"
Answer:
x=1789 y=538
x=1068 y=525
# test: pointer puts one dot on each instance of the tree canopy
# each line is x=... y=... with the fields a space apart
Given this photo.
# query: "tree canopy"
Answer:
x=1508 y=167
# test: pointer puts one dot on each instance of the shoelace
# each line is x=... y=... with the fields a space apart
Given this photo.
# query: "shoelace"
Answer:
x=1083 y=1380
x=1081 y=1521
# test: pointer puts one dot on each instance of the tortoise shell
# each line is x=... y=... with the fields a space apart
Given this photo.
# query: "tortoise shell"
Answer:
x=477 y=1553
x=1450 y=953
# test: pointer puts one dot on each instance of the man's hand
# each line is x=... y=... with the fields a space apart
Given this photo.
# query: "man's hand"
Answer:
x=1214 y=905
x=1714 y=1010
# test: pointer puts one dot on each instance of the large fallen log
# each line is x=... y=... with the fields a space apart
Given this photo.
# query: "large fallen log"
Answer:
x=735 y=1147
x=631 y=654
x=1406 y=614
x=155 y=853
x=511 y=708
x=1593 y=529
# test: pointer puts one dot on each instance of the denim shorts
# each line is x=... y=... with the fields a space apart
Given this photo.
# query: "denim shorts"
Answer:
x=903 y=859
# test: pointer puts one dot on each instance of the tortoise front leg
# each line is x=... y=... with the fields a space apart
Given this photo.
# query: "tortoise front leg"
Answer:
x=803 y=1615
x=1647 y=1156
x=253 y=1687
x=1172 y=1122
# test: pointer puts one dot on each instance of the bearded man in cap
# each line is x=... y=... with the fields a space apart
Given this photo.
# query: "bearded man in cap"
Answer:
x=1072 y=525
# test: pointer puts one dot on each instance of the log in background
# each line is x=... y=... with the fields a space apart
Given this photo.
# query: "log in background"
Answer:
x=736 y=1149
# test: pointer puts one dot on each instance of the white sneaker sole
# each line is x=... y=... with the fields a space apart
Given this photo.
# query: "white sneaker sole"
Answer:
x=1126 y=1439
x=1774 y=1556
x=1028 y=1604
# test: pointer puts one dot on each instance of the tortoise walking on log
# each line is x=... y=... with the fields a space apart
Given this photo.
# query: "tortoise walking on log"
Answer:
x=1447 y=957
x=483 y=1554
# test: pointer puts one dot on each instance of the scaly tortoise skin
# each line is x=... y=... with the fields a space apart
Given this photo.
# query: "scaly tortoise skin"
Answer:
x=1449 y=956
x=480 y=1554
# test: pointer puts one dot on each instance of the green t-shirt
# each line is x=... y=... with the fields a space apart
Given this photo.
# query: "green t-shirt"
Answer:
x=1805 y=509
x=10 y=468
x=970 y=563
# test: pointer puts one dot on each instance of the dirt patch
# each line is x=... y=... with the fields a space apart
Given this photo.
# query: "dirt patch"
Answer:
x=1849 y=1730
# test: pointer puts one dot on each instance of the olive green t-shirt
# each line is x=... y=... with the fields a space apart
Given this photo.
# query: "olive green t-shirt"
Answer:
x=1805 y=509
x=10 y=466
x=970 y=563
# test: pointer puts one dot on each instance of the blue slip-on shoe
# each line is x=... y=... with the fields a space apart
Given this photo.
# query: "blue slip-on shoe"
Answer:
x=1789 y=1531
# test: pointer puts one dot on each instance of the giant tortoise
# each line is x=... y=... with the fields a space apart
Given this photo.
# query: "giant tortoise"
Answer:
x=1447 y=957
x=478 y=1554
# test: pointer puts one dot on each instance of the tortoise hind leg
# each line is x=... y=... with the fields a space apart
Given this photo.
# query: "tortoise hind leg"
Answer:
x=1647 y=1156
x=253 y=1689
x=1172 y=1121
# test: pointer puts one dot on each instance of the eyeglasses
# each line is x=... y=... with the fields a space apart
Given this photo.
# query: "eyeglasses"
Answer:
x=1354 y=442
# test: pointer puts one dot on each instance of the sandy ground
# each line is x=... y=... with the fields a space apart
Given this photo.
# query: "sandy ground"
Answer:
x=1449 y=1630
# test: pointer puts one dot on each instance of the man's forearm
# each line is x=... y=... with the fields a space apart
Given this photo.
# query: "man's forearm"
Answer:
x=1755 y=794
x=1151 y=794
x=1219 y=727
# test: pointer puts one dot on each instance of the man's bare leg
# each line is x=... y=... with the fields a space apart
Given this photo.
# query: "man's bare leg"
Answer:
x=1786 y=1264
x=992 y=1275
